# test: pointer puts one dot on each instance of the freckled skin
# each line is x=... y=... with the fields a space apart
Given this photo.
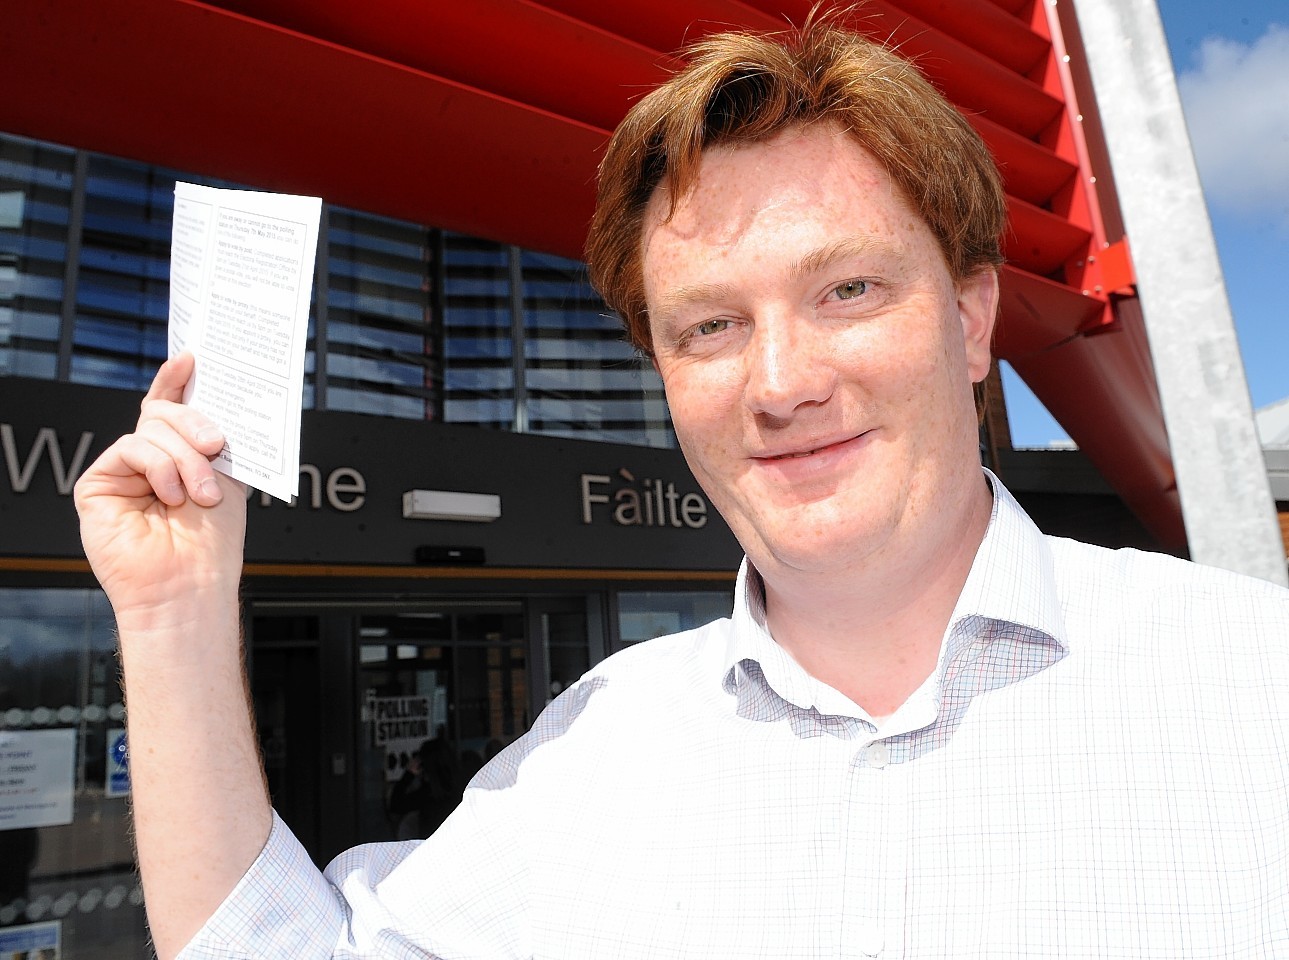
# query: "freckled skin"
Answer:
x=797 y=302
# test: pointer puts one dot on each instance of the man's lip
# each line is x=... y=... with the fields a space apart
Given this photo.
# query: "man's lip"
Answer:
x=800 y=453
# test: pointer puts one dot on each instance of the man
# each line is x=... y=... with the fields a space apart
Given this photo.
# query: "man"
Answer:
x=926 y=731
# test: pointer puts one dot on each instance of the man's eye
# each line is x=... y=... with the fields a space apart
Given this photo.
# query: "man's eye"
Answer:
x=851 y=289
x=709 y=327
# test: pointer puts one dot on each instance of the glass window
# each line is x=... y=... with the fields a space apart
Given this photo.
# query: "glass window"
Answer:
x=582 y=378
x=441 y=692
x=36 y=182
x=382 y=354
x=287 y=696
x=569 y=656
x=410 y=321
x=123 y=285
x=477 y=329
x=66 y=862
x=645 y=614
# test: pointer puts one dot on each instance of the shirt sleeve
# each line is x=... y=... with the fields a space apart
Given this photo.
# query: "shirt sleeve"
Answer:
x=282 y=907
x=466 y=892
x=460 y=894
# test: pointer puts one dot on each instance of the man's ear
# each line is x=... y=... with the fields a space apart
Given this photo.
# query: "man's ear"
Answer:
x=978 y=309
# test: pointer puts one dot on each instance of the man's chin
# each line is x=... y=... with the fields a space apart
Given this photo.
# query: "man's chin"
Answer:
x=837 y=550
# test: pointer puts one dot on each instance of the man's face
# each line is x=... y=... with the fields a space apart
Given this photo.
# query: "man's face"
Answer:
x=816 y=353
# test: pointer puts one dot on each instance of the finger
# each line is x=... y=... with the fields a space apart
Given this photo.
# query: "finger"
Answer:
x=197 y=430
x=131 y=468
x=172 y=376
x=163 y=401
x=173 y=466
x=154 y=461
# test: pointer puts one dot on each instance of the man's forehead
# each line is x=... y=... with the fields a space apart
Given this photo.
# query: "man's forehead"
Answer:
x=817 y=173
x=795 y=154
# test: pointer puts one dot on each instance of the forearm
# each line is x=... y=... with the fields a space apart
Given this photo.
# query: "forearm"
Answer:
x=201 y=809
x=164 y=534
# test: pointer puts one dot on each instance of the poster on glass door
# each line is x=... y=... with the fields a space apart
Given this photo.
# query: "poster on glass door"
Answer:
x=37 y=776
x=399 y=725
x=32 y=941
x=116 y=782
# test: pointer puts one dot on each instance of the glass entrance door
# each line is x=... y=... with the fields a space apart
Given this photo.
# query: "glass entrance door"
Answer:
x=441 y=691
x=286 y=694
x=373 y=715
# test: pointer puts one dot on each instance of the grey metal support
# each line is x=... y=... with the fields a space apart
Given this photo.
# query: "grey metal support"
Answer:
x=72 y=266
x=517 y=351
x=438 y=251
x=321 y=299
x=1221 y=476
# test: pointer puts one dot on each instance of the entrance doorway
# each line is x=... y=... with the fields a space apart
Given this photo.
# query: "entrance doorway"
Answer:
x=373 y=715
x=441 y=692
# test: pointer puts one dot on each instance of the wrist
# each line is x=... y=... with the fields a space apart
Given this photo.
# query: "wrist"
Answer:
x=180 y=619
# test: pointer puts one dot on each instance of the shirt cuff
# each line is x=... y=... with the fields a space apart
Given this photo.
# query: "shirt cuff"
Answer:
x=282 y=907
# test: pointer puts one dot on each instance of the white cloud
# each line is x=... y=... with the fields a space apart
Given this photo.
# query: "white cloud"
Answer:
x=1236 y=99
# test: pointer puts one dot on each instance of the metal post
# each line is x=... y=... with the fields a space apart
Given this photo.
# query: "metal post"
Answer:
x=517 y=346
x=321 y=300
x=72 y=267
x=1221 y=477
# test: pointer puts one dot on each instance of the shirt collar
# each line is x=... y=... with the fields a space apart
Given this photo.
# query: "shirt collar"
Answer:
x=1013 y=577
x=1012 y=582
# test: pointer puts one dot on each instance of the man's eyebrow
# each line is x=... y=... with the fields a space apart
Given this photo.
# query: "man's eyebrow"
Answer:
x=689 y=295
x=842 y=249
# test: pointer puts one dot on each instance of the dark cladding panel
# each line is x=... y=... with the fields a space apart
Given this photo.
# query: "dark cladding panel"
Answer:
x=564 y=503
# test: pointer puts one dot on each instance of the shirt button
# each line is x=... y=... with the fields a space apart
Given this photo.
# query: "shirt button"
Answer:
x=878 y=755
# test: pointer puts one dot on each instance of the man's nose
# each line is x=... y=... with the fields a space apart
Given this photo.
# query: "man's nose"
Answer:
x=788 y=365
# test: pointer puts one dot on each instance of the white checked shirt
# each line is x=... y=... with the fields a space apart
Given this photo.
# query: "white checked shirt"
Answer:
x=1099 y=767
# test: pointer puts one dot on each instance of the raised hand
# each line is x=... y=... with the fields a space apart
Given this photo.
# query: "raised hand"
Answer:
x=157 y=520
x=164 y=533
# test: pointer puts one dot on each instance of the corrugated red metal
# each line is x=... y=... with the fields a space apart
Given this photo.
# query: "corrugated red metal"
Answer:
x=488 y=117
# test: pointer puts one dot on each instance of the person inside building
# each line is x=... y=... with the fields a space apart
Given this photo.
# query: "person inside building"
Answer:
x=925 y=731
x=428 y=790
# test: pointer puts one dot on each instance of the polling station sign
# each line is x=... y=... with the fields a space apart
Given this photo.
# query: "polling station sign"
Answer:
x=398 y=718
x=399 y=725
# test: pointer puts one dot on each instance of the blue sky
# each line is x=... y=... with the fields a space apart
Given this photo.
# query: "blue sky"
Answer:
x=1231 y=58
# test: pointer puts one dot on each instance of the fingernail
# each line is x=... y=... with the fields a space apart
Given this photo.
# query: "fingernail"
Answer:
x=209 y=435
x=209 y=489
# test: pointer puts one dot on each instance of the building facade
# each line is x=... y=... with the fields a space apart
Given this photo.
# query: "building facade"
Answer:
x=436 y=361
x=454 y=347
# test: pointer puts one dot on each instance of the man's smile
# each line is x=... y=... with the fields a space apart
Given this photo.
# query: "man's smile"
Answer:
x=813 y=448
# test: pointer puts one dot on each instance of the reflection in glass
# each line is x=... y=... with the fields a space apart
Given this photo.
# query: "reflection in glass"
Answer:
x=645 y=614
x=441 y=693
x=36 y=181
x=477 y=332
x=58 y=680
x=582 y=378
x=380 y=340
x=409 y=321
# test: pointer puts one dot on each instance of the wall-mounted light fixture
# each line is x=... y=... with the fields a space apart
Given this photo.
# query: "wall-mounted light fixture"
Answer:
x=450 y=505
